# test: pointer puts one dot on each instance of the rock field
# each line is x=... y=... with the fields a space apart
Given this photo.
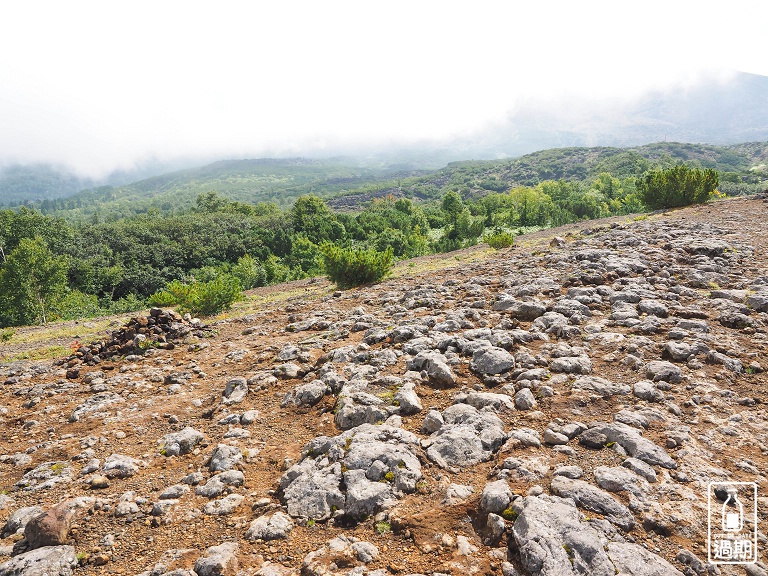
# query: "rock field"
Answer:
x=555 y=408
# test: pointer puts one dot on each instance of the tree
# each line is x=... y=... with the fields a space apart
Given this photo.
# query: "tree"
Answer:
x=677 y=186
x=31 y=279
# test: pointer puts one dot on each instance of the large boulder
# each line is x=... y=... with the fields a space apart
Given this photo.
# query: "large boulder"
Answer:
x=46 y=561
x=467 y=437
x=354 y=473
x=593 y=498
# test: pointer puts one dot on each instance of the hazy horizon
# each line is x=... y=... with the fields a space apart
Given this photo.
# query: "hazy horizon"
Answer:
x=100 y=87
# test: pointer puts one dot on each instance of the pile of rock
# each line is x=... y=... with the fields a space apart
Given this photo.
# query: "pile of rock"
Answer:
x=161 y=329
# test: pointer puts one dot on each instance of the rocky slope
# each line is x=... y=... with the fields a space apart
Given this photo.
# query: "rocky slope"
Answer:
x=556 y=408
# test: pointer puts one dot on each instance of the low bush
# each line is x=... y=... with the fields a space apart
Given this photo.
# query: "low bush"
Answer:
x=200 y=298
x=350 y=267
x=677 y=186
x=500 y=240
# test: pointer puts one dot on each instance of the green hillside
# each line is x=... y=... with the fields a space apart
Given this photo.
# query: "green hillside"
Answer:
x=348 y=184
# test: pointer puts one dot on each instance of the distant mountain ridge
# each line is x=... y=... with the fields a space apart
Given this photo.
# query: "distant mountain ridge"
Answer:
x=710 y=111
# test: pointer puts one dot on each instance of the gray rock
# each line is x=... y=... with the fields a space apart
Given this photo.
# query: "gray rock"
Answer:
x=270 y=569
x=315 y=488
x=217 y=484
x=618 y=479
x=365 y=551
x=635 y=445
x=646 y=390
x=492 y=361
x=223 y=506
x=436 y=366
x=496 y=497
x=98 y=403
x=432 y=422
x=274 y=527
x=19 y=519
x=525 y=437
x=555 y=438
x=457 y=493
x=307 y=394
x=634 y=560
x=526 y=311
x=677 y=351
x=193 y=478
x=224 y=457
x=524 y=399
x=173 y=492
x=653 y=308
x=600 y=386
x=758 y=301
x=553 y=541
x=632 y=418
x=468 y=437
x=249 y=417
x=180 y=443
x=495 y=527
x=219 y=560
x=573 y=472
x=528 y=469
x=364 y=497
x=480 y=400
x=641 y=468
x=357 y=408
x=120 y=466
x=407 y=399
x=572 y=364
x=235 y=391
x=45 y=476
x=592 y=498
x=46 y=561
x=570 y=308
x=663 y=370
x=593 y=438
x=162 y=507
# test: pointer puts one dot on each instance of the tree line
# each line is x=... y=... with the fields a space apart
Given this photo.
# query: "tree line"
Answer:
x=51 y=268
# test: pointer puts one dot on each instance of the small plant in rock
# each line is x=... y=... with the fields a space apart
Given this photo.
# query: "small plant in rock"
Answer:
x=389 y=476
x=383 y=527
x=509 y=514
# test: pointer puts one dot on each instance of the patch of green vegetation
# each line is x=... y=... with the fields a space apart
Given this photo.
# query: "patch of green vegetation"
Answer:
x=45 y=353
x=310 y=523
x=389 y=477
x=383 y=527
x=509 y=514
x=500 y=240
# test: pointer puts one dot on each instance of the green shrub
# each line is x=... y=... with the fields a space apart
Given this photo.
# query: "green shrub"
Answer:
x=349 y=267
x=75 y=304
x=200 y=298
x=677 y=186
x=250 y=272
x=500 y=240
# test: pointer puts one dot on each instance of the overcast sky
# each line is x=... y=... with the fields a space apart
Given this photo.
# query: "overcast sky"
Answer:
x=105 y=84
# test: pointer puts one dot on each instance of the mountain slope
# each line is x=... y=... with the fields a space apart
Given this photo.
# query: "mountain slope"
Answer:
x=581 y=389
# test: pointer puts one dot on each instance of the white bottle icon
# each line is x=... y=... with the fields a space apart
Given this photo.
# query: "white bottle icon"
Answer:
x=733 y=521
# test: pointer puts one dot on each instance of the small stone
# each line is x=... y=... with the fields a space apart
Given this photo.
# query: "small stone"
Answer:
x=98 y=482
